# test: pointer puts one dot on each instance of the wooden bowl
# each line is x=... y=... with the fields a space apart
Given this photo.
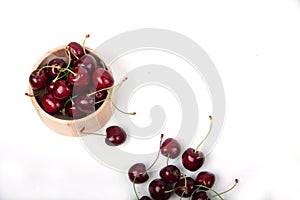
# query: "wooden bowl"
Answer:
x=71 y=127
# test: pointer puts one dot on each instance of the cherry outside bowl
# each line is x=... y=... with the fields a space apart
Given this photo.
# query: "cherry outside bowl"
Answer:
x=71 y=127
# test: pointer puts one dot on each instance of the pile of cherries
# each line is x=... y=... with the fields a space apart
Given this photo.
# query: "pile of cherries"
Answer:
x=75 y=88
x=172 y=180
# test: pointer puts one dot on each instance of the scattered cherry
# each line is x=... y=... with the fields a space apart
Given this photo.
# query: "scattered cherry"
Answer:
x=170 y=148
x=145 y=198
x=115 y=135
x=170 y=173
x=138 y=173
x=205 y=178
x=185 y=187
x=201 y=195
x=38 y=79
x=159 y=189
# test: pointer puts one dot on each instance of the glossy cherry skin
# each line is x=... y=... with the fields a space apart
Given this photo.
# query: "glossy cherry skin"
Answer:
x=192 y=160
x=157 y=189
x=52 y=71
x=206 y=179
x=50 y=86
x=72 y=111
x=75 y=49
x=170 y=148
x=201 y=195
x=38 y=79
x=115 y=136
x=85 y=104
x=138 y=173
x=50 y=104
x=145 y=198
x=185 y=190
x=170 y=173
x=88 y=62
x=61 y=90
x=81 y=79
x=102 y=79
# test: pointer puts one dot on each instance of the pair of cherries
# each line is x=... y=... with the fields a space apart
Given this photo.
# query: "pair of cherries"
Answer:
x=172 y=180
x=75 y=86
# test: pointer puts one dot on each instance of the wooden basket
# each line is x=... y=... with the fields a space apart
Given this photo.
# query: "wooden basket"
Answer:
x=71 y=127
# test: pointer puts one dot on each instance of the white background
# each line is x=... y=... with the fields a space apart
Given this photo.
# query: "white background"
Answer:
x=255 y=46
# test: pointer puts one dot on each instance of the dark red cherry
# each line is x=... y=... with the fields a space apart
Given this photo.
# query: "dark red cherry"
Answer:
x=80 y=78
x=138 y=173
x=85 y=104
x=88 y=62
x=50 y=104
x=192 y=160
x=170 y=148
x=102 y=79
x=38 y=79
x=52 y=71
x=170 y=173
x=50 y=86
x=158 y=189
x=206 y=179
x=61 y=90
x=73 y=111
x=76 y=50
x=115 y=135
x=145 y=198
x=201 y=195
x=185 y=187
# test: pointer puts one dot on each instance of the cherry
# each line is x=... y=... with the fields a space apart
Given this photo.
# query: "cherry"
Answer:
x=159 y=189
x=73 y=111
x=170 y=173
x=115 y=135
x=76 y=50
x=201 y=195
x=185 y=187
x=85 y=104
x=38 y=79
x=79 y=77
x=50 y=86
x=88 y=62
x=52 y=71
x=206 y=179
x=50 y=104
x=138 y=173
x=61 y=90
x=102 y=79
x=170 y=148
x=192 y=159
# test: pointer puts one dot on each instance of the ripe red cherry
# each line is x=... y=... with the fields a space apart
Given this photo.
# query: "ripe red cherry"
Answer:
x=185 y=187
x=158 y=189
x=201 y=195
x=102 y=79
x=88 y=62
x=73 y=111
x=50 y=104
x=192 y=160
x=38 y=79
x=76 y=50
x=85 y=104
x=61 y=90
x=80 y=78
x=206 y=179
x=50 y=86
x=52 y=71
x=145 y=198
x=170 y=173
x=115 y=135
x=138 y=173
x=170 y=148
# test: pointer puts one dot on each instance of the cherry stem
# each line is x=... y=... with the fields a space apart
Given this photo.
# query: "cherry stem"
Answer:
x=83 y=44
x=235 y=183
x=161 y=137
x=47 y=66
x=185 y=186
x=209 y=131
x=88 y=133
x=134 y=189
x=34 y=94
x=118 y=85
x=168 y=159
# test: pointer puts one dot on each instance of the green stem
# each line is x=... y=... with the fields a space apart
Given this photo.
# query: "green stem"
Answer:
x=205 y=187
x=83 y=44
x=87 y=133
x=134 y=189
x=235 y=183
x=108 y=88
x=210 y=127
x=161 y=137
x=116 y=107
